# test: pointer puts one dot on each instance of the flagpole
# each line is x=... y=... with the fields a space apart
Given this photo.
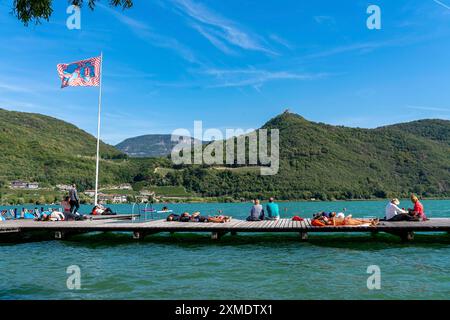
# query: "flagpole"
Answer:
x=98 y=130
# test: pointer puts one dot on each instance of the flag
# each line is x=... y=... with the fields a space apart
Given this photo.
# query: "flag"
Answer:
x=84 y=73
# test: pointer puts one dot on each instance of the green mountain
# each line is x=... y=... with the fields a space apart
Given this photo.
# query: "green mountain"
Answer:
x=334 y=162
x=316 y=160
x=437 y=130
x=152 y=145
x=39 y=148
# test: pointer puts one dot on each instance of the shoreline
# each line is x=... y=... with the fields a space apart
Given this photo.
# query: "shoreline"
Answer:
x=221 y=202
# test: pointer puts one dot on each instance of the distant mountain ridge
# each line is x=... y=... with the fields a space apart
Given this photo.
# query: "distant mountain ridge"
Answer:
x=150 y=145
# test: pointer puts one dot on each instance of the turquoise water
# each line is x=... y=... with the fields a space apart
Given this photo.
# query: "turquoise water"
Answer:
x=248 y=266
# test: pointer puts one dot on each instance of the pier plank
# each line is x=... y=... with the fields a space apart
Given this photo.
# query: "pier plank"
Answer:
x=161 y=225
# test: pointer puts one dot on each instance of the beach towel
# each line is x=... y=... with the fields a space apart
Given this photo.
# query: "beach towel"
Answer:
x=317 y=223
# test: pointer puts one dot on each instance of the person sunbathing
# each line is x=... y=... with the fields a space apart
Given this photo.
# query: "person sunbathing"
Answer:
x=51 y=215
x=185 y=217
x=173 y=217
x=340 y=220
x=219 y=219
x=197 y=217
x=349 y=221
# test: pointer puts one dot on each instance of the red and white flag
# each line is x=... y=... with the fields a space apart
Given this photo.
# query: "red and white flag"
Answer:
x=84 y=73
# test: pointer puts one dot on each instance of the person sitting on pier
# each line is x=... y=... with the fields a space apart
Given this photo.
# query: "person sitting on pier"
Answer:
x=273 y=211
x=394 y=213
x=418 y=210
x=3 y=215
x=100 y=210
x=257 y=212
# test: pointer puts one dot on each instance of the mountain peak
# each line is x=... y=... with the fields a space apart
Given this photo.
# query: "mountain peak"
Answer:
x=285 y=118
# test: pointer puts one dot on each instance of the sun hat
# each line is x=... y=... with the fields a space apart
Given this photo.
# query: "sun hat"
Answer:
x=395 y=201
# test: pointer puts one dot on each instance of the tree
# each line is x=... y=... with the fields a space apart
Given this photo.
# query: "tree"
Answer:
x=35 y=10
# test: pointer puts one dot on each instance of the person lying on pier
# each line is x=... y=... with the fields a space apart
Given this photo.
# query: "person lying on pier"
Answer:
x=185 y=217
x=349 y=221
x=196 y=217
x=51 y=215
x=219 y=219
x=173 y=217
x=256 y=212
x=335 y=220
x=395 y=213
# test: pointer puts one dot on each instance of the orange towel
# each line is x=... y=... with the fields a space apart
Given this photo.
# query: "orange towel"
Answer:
x=317 y=223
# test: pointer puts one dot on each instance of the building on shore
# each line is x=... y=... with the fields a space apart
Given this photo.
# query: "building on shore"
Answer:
x=63 y=187
x=123 y=186
x=90 y=193
x=19 y=184
x=112 y=198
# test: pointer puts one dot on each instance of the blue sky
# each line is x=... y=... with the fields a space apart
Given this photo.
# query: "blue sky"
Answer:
x=233 y=64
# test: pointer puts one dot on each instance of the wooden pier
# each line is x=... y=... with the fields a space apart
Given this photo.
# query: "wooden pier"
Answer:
x=63 y=229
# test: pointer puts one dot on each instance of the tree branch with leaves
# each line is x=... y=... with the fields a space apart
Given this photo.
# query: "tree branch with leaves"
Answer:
x=34 y=10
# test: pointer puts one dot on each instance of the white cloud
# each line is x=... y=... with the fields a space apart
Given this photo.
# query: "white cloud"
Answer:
x=145 y=32
x=427 y=108
x=282 y=41
x=364 y=47
x=214 y=39
x=223 y=28
x=255 y=78
x=447 y=6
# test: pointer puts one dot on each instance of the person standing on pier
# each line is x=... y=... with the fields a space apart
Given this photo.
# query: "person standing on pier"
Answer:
x=73 y=199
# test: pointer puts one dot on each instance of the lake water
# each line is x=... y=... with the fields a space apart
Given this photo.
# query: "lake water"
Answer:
x=248 y=266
